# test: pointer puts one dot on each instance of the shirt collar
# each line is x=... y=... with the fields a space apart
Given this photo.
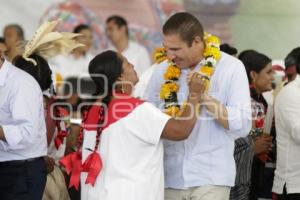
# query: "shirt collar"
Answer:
x=3 y=72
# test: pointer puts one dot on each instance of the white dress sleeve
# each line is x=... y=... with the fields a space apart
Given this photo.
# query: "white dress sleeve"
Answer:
x=146 y=122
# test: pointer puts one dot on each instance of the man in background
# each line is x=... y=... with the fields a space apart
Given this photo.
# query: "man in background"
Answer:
x=118 y=33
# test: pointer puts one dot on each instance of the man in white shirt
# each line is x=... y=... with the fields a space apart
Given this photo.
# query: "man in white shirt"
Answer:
x=202 y=167
x=287 y=115
x=22 y=135
x=118 y=33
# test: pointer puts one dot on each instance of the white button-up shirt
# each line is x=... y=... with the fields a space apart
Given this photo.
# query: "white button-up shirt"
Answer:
x=21 y=115
x=206 y=157
x=287 y=121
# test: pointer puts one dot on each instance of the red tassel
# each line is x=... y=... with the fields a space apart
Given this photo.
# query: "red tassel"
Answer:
x=60 y=138
x=92 y=165
x=72 y=164
x=263 y=157
x=91 y=121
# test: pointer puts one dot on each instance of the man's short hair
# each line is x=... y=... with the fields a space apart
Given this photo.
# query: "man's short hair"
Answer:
x=119 y=21
x=185 y=25
x=293 y=58
x=81 y=27
x=18 y=29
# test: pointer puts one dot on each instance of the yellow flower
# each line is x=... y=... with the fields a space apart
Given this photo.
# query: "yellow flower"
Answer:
x=212 y=40
x=211 y=55
x=212 y=51
x=167 y=89
x=58 y=80
x=164 y=92
x=207 y=70
x=173 y=72
x=159 y=55
x=172 y=111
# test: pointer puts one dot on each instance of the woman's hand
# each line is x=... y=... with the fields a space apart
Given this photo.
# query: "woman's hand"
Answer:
x=262 y=144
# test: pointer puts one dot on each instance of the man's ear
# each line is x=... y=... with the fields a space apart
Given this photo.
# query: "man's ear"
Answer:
x=198 y=41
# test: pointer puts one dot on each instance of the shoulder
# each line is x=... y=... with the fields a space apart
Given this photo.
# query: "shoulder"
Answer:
x=160 y=67
x=230 y=63
x=289 y=94
x=18 y=78
x=136 y=46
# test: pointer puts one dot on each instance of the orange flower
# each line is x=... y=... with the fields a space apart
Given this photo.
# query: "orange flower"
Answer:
x=159 y=55
x=172 y=111
x=207 y=70
x=173 y=72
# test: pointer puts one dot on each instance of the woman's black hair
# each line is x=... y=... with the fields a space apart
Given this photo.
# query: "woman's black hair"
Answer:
x=109 y=66
x=40 y=72
x=253 y=61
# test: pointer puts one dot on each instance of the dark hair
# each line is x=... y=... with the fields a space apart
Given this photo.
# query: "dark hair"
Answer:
x=119 y=21
x=293 y=58
x=184 y=24
x=40 y=72
x=18 y=29
x=2 y=40
x=81 y=27
x=228 y=49
x=108 y=64
x=253 y=61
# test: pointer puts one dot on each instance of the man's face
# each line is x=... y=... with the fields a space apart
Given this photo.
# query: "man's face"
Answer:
x=11 y=37
x=113 y=32
x=179 y=52
x=86 y=39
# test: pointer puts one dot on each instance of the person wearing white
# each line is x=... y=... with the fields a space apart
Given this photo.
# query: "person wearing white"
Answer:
x=141 y=86
x=69 y=66
x=117 y=32
x=204 y=162
x=287 y=115
x=138 y=56
x=130 y=146
x=75 y=64
x=133 y=156
x=23 y=140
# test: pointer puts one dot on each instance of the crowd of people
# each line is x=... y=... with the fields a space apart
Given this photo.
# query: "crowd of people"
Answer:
x=201 y=122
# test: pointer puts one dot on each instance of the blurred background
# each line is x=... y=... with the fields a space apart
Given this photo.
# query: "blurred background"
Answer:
x=270 y=26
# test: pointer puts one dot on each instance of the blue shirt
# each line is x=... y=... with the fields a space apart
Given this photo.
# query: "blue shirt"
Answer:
x=206 y=157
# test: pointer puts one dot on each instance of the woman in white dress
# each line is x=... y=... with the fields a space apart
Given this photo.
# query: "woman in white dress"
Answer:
x=122 y=152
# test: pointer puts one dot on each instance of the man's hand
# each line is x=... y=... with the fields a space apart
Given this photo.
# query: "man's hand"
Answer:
x=196 y=84
x=49 y=163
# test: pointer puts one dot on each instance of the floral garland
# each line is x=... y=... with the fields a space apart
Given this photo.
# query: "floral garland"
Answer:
x=169 y=88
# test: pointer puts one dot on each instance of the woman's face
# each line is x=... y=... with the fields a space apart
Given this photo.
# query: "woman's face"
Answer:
x=129 y=75
x=263 y=80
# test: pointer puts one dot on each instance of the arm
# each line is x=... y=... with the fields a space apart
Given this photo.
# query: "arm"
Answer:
x=234 y=114
x=179 y=129
x=217 y=109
